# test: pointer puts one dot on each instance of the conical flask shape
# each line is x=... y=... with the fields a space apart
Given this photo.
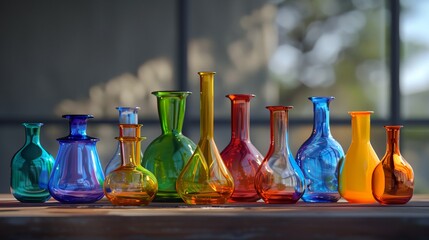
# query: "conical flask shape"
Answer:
x=240 y=156
x=127 y=115
x=166 y=155
x=356 y=170
x=279 y=179
x=77 y=176
x=393 y=178
x=205 y=178
x=130 y=184
x=319 y=155
x=31 y=167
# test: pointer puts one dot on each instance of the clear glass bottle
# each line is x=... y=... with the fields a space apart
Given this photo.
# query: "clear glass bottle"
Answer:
x=240 y=156
x=130 y=184
x=166 y=155
x=205 y=178
x=279 y=179
x=31 y=167
x=77 y=176
x=355 y=172
x=127 y=115
x=319 y=155
x=393 y=177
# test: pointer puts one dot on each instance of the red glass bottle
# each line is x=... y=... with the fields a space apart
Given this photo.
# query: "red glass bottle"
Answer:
x=240 y=156
x=393 y=177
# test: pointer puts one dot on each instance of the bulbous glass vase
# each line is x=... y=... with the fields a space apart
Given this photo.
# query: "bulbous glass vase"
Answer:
x=166 y=155
x=31 y=167
x=77 y=176
x=393 y=177
x=240 y=156
x=279 y=179
x=319 y=155
x=355 y=172
x=130 y=184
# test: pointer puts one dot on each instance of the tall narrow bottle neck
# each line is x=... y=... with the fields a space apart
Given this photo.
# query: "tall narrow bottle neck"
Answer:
x=130 y=151
x=207 y=104
x=32 y=134
x=78 y=127
x=392 y=141
x=321 y=119
x=279 y=130
x=171 y=110
x=361 y=127
x=128 y=115
x=240 y=119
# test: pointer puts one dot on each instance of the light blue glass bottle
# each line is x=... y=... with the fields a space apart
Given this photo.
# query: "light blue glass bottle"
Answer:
x=77 y=176
x=31 y=167
x=127 y=115
x=319 y=156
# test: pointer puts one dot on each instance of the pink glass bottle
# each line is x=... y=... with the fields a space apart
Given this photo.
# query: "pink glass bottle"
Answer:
x=279 y=178
x=240 y=156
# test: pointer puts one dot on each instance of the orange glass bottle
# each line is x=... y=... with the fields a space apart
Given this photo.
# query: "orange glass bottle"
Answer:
x=356 y=170
x=393 y=178
x=130 y=184
x=205 y=178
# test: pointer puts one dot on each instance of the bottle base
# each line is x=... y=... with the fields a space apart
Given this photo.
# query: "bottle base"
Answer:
x=129 y=199
x=205 y=198
x=244 y=197
x=321 y=197
x=281 y=198
x=73 y=197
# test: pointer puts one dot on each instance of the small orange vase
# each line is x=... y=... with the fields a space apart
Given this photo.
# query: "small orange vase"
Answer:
x=393 y=178
x=355 y=172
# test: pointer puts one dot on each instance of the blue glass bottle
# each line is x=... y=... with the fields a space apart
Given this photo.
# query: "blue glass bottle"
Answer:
x=318 y=157
x=31 y=167
x=77 y=176
x=127 y=115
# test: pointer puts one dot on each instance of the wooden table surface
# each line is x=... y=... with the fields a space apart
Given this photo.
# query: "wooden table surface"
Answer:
x=101 y=220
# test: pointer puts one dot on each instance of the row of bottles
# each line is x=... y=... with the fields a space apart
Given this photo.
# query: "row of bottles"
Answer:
x=174 y=169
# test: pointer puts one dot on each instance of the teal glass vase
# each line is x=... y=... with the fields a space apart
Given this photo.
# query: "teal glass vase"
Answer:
x=166 y=155
x=127 y=115
x=30 y=168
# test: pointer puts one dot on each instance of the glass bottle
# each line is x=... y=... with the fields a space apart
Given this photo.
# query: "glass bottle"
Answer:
x=319 y=155
x=356 y=170
x=130 y=184
x=31 y=167
x=77 y=176
x=279 y=179
x=240 y=156
x=205 y=178
x=127 y=115
x=393 y=177
x=166 y=156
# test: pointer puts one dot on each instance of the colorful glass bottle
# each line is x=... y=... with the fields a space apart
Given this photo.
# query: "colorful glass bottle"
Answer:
x=393 y=177
x=77 y=176
x=319 y=155
x=240 y=156
x=31 y=167
x=130 y=184
x=166 y=156
x=279 y=179
x=127 y=115
x=205 y=178
x=356 y=170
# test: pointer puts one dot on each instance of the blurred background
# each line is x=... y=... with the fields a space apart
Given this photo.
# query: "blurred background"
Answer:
x=59 y=57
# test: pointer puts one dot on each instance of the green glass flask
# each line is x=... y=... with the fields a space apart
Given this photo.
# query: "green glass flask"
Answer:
x=166 y=156
x=31 y=167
